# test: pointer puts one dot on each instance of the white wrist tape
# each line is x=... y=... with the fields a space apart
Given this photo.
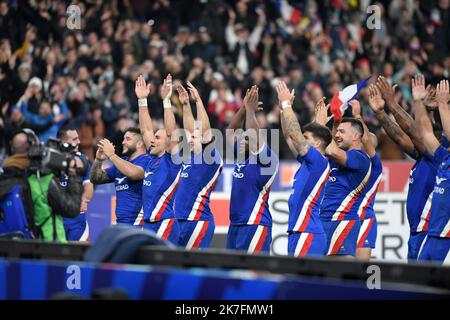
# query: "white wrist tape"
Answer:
x=142 y=102
x=285 y=104
x=167 y=104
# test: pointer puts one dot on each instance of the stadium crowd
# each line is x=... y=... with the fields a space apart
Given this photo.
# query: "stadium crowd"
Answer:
x=51 y=75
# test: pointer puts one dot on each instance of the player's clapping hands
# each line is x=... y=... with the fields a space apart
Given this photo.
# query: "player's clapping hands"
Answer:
x=141 y=89
x=182 y=95
x=376 y=101
x=166 y=88
x=442 y=92
x=321 y=112
x=107 y=147
x=419 y=92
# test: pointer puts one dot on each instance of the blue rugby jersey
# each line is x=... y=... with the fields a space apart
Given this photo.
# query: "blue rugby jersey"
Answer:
x=307 y=193
x=365 y=210
x=420 y=193
x=343 y=191
x=198 y=177
x=439 y=225
x=251 y=187
x=161 y=179
x=128 y=192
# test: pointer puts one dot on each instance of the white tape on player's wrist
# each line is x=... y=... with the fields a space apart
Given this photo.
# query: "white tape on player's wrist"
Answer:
x=285 y=104
x=142 y=102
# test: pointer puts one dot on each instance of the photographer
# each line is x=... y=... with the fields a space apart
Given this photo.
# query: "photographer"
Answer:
x=16 y=206
x=77 y=228
x=52 y=202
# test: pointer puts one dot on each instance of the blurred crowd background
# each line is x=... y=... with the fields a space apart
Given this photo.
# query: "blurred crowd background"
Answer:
x=51 y=75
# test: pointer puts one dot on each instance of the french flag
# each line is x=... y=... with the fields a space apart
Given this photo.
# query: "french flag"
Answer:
x=288 y=12
x=339 y=102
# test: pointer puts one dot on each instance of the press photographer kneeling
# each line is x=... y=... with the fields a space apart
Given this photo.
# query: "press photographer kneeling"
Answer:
x=51 y=202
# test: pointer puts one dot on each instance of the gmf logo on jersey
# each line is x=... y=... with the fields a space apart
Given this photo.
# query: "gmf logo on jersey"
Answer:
x=238 y=174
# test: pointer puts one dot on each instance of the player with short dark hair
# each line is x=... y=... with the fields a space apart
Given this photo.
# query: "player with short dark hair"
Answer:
x=127 y=174
x=305 y=231
x=350 y=171
x=368 y=233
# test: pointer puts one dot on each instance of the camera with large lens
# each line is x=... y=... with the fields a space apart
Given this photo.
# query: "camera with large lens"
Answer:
x=54 y=157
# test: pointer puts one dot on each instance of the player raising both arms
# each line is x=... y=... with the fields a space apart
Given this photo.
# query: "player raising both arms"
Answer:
x=199 y=175
x=306 y=234
x=162 y=175
x=254 y=172
x=368 y=232
x=437 y=243
x=421 y=179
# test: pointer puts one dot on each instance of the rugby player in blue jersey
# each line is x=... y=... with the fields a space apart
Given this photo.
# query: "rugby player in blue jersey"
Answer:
x=127 y=174
x=255 y=169
x=350 y=171
x=421 y=179
x=368 y=233
x=305 y=232
x=163 y=171
x=199 y=175
x=437 y=243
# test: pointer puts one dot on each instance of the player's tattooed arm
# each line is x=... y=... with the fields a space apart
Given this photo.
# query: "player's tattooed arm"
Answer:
x=376 y=103
x=98 y=175
x=289 y=123
x=404 y=120
x=292 y=132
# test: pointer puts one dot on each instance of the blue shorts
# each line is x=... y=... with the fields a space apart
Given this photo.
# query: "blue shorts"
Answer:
x=166 y=229
x=342 y=236
x=301 y=244
x=137 y=220
x=196 y=234
x=251 y=238
x=415 y=242
x=77 y=229
x=368 y=233
x=436 y=249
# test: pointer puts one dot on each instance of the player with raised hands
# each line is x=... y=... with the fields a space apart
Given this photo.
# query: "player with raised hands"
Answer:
x=305 y=231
